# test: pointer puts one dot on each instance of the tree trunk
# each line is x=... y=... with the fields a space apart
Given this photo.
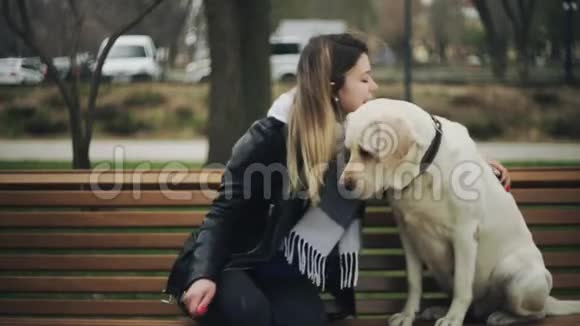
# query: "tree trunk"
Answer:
x=240 y=89
x=255 y=58
x=496 y=43
x=225 y=95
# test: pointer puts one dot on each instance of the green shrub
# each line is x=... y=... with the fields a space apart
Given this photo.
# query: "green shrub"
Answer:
x=16 y=113
x=106 y=112
x=125 y=123
x=45 y=123
x=565 y=125
x=144 y=99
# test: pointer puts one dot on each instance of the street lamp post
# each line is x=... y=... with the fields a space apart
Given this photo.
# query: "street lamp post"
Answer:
x=408 y=49
x=570 y=7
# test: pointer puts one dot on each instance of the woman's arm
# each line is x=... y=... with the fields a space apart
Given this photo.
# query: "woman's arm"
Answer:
x=212 y=248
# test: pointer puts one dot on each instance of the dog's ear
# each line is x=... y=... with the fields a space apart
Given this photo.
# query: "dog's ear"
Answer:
x=406 y=138
x=387 y=138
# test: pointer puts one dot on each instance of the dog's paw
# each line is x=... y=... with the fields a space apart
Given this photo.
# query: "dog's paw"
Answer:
x=449 y=320
x=500 y=318
x=433 y=313
x=402 y=319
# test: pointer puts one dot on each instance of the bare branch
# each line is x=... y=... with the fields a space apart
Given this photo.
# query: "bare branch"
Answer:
x=6 y=10
x=78 y=25
x=26 y=28
x=95 y=81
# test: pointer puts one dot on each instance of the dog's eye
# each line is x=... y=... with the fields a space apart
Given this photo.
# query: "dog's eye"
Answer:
x=364 y=154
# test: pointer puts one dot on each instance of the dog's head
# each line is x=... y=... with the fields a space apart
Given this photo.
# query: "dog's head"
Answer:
x=381 y=142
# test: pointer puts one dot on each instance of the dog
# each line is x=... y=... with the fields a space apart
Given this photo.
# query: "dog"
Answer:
x=452 y=214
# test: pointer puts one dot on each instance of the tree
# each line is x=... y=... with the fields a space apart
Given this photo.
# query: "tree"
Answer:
x=496 y=34
x=240 y=92
x=391 y=28
x=520 y=14
x=447 y=25
x=17 y=17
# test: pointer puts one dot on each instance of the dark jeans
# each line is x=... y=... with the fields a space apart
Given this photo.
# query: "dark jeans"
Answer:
x=246 y=298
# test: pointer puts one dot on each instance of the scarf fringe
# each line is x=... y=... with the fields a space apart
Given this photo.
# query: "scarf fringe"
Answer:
x=313 y=264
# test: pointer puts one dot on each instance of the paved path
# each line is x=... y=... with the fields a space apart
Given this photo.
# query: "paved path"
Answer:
x=196 y=150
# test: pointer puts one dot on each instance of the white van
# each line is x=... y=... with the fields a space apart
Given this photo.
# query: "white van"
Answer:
x=20 y=71
x=131 y=58
x=284 y=56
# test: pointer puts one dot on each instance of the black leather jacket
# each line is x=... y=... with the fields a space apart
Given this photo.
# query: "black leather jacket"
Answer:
x=248 y=220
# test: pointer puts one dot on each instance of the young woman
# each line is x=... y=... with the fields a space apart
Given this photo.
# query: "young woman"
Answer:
x=279 y=231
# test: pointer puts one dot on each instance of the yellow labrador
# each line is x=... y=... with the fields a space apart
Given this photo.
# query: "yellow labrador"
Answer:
x=453 y=216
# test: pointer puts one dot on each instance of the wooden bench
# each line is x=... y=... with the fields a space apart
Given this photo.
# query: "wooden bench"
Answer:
x=82 y=248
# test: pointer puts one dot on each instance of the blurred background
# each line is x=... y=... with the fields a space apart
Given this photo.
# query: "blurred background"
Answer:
x=85 y=82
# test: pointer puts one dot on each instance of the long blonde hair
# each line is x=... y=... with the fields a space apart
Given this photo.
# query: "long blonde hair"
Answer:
x=312 y=127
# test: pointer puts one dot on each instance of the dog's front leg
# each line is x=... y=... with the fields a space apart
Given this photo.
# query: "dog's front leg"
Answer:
x=465 y=251
x=414 y=282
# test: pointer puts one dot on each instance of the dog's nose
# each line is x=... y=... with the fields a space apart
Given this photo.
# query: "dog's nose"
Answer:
x=349 y=183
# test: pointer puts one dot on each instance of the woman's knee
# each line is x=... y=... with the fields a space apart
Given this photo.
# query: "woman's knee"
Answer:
x=239 y=301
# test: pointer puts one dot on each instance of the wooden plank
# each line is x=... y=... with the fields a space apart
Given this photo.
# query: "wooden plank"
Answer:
x=561 y=281
x=91 y=284
x=176 y=240
x=568 y=259
x=101 y=219
x=85 y=262
x=545 y=177
x=547 y=196
x=35 y=321
x=30 y=307
x=541 y=238
x=147 y=198
x=39 y=177
x=532 y=215
x=193 y=178
x=156 y=284
x=390 y=306
x=116 y=262
x=97 y=308
x=93 y=241
x=71 y=198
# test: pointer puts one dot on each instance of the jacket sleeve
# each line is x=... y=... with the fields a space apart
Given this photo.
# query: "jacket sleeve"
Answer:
x=212 y=247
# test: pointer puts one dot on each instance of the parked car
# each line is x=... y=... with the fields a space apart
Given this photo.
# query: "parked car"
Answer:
x=131 y=58
x=20 y=71
x=284 y=56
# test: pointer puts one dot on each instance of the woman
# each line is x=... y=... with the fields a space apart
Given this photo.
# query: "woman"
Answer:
x=272 y=239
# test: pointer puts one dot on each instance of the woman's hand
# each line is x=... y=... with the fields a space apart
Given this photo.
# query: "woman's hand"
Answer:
x=502 y=173
x=198 y=297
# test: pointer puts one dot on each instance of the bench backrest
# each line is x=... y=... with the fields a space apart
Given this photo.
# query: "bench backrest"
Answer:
x=81 y=244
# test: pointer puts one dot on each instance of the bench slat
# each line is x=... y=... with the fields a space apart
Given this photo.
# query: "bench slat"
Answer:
x=548 y=175
x=155 y=284
x=34 y=179
x=533 y=216
x=541 y=238
x=176 y=240
x=116 y=262
x=101 y=308
x=148 y=198
x=101 y=219
x=35 y=321
x=87 y=307
x=124 y=198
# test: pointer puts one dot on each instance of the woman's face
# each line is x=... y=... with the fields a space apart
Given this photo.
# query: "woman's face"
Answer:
x=358 y=85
